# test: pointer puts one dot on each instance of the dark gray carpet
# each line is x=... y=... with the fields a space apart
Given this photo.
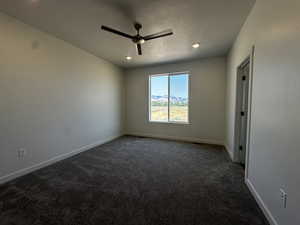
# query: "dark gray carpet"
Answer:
x=134 y=181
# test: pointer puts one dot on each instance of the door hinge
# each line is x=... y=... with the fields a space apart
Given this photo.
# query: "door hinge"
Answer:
x=241 y=148
x=242 y=113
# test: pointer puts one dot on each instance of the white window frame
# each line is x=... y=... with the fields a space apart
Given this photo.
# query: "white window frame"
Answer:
x=188 y=97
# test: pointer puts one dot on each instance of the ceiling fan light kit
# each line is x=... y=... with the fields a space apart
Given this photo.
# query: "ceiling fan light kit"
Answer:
x=137 y=39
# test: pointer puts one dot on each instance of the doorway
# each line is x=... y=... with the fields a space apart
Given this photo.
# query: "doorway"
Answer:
x=243 y=77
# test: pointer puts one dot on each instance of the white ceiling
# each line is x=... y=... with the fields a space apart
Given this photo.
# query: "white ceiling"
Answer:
x=212 y=23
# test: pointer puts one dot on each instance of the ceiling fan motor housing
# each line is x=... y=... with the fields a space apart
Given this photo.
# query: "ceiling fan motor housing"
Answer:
x=138 y=39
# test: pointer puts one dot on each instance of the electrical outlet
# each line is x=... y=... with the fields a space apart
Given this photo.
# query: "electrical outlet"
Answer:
x=21 y=153
x=283 y=196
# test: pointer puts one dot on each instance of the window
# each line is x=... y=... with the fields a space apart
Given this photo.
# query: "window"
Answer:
x=169 y=98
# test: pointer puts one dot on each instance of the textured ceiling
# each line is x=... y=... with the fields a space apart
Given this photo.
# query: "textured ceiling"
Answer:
x=212 y=23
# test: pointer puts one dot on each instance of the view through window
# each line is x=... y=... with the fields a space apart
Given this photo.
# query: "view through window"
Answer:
x=169 y=98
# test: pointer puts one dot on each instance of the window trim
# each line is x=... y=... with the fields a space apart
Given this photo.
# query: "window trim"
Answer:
x=189 y=97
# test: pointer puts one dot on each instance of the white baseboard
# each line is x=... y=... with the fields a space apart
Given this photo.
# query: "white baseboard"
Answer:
x=178 y=138
x=55 y=159
x=261 y=203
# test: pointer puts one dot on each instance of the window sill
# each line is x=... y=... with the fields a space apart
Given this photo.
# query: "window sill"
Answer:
x=175 y=123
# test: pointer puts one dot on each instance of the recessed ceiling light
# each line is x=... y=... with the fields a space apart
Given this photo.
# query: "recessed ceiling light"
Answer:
x=128 y=57
x=196 y=45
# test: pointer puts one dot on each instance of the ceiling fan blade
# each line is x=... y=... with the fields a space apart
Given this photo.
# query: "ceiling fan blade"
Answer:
x=139 y=48
x=116 y=32
x=158 y=35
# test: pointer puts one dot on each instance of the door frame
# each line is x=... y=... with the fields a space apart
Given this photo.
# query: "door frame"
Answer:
x=250 y=59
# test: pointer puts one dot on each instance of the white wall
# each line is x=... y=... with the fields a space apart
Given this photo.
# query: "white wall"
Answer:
x=274 y=28
x=207 y=105
x=54 y=97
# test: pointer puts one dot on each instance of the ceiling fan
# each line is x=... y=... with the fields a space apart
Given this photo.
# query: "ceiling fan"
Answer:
x=138 y=39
